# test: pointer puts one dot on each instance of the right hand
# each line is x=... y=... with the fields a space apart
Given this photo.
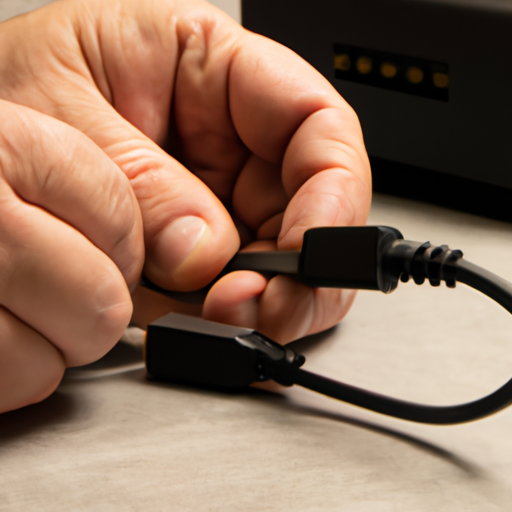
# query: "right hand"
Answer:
x=259 y=146
x=71 y=248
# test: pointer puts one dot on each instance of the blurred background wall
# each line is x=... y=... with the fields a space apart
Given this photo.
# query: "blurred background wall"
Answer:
x=10 y=8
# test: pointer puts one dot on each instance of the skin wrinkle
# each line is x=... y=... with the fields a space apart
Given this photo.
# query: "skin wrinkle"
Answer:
x=133 y=159
x=63 y=54
x=332 y=146
x=339 y=199
x=26 y=160
x=98 y=73
x=292 y=178
x=222 y=136
x=43 y=175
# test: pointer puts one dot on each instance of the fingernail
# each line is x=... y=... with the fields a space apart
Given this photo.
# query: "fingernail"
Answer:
x=181 y=237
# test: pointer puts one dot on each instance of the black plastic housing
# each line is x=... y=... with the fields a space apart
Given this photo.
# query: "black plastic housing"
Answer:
x=453 y=150
x=347 y=257
x=187 y=349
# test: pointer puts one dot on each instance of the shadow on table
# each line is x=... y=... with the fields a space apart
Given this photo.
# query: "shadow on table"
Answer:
x=311 y=343
x=282 y=402
x=64 y=406
x=59 y=408
x=425 y=446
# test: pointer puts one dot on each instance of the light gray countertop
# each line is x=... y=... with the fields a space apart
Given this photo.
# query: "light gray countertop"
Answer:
x=121 y=442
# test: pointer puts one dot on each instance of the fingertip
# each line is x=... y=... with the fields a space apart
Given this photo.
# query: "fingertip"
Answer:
x=31 y=368
x=287 y=310
x=234 y=299
x=188 y=254
x=333 y=197
x=108 y=319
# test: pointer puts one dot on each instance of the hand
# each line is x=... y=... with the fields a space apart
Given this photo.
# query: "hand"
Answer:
x=227 y=139
x=70 y=244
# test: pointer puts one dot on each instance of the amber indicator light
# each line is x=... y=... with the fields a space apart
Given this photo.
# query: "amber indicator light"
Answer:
x=391 y=71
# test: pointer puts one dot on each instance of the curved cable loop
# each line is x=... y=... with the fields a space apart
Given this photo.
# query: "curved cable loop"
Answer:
x=431 y=263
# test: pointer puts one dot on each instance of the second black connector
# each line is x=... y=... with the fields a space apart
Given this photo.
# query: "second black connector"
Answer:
x=191 y=350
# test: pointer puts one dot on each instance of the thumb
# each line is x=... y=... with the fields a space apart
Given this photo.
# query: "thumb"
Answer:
x=188 y=233
x=189 y=236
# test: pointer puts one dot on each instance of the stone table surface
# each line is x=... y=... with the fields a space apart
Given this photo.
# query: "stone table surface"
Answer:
x=121 y=442
x=110 y=439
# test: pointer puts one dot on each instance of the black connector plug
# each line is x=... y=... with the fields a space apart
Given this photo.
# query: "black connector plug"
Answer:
x=348 y=257
x=331 y=257
x=191 y=350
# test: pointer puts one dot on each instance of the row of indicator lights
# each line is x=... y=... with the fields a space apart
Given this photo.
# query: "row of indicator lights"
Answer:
x=414 y=75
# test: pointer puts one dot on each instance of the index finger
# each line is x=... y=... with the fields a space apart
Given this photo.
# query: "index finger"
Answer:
x=285 y=111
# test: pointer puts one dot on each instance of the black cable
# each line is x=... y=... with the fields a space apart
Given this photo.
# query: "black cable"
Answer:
x=485 y=282
x=438 y=415
x=373 y=258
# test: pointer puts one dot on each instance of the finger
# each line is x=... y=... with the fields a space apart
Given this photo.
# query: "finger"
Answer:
x=327 y=172
x=279 y=108
x=259 y=197
x=314 y=133
x=282 y=309
x=234 y=299
x=68 y=175
x=287 y=114
x=54 y=278
x=30 y=366
x=272 y=92
x=57 y=282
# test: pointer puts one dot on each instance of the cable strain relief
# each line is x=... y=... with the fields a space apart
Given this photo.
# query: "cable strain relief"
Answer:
x=284 y=371
x=421 y=261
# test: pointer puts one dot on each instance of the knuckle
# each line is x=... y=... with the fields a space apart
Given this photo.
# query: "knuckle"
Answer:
x=109 y=325
x=126 y=234
x=100 y=316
